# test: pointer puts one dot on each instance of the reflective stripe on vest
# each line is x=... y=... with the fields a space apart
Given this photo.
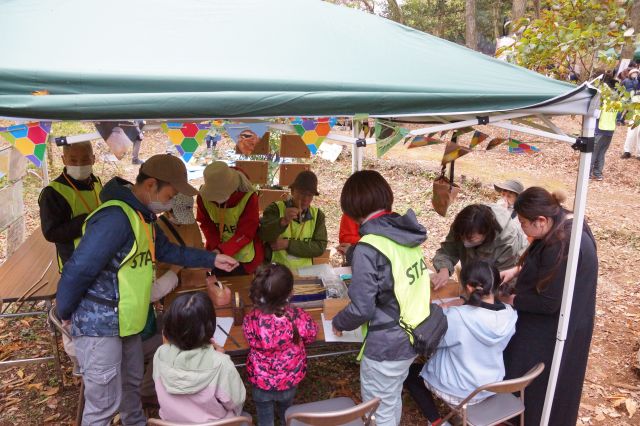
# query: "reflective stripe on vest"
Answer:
x=411 y=283
x=91 y=197
x=231 y=218
x=135 y=274
x=295 y=231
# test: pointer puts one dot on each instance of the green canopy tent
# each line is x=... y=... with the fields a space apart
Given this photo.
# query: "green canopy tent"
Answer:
x=197 y=59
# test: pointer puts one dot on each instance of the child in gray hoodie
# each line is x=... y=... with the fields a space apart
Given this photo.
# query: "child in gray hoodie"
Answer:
x=195 y=382
x=470 y=353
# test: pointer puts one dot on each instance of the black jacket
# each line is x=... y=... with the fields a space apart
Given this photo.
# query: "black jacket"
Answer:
x=58 y=225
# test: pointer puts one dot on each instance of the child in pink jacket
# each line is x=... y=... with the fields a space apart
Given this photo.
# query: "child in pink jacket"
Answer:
x=276 y=333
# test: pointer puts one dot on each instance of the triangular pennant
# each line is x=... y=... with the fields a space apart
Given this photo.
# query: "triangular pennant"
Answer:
x=477 y=138
x=313 y=131
x=459 y=132
x=186 y=137
x=387 y=136
x=495 y=142
x=29 y=139
x=453 y=151
x=517 y=147
x=423 y=140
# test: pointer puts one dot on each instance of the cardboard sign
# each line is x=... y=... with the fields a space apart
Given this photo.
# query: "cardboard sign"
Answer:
x=256 y=171
x=292 y=146
x=288 y=172
x=268 y=196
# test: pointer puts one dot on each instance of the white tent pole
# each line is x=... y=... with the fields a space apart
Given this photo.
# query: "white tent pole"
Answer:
x=579 y=206
x=535 y=132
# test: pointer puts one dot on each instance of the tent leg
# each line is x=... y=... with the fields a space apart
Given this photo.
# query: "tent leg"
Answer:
x=579 y=207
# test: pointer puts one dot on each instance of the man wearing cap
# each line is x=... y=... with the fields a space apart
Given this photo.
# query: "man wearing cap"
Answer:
x=105 y=287
x=229 y=216
x=509 y=191
x=295 y=232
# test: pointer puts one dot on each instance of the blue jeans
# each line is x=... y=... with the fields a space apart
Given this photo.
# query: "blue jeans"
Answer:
x=600 y=148
x=265 y=401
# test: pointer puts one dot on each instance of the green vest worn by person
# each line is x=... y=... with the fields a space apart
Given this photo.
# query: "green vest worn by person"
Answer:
x=229 y=217
x=80 y=201
x=135 y=275
x=411 y=283
x=295 y=231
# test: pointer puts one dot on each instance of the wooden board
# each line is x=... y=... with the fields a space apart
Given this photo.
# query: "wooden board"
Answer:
x=288 y=172
x=262 y=148
x=293 y=146
x=324 y=258
x=256 y=171
x=268 y=196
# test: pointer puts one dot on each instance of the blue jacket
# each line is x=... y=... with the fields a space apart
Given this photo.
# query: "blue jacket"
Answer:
x=470 y=353
x=93 y=268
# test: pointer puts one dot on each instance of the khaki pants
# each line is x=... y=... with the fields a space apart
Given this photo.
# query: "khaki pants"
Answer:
x=112 y=370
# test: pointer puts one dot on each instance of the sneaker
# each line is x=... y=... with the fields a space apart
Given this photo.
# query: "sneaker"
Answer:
x=137 y=161
x=598 y=178
x=626 y=155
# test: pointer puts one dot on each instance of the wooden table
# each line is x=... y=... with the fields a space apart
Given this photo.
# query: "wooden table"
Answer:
x=242 y=285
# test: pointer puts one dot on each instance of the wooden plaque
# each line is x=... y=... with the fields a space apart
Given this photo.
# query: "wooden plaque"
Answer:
x=268 y=196
x=293 y=146
x=257 y=171
x=288 y=172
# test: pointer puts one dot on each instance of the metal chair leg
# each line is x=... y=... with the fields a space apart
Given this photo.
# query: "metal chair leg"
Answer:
x=80 y=409
x=53 y=334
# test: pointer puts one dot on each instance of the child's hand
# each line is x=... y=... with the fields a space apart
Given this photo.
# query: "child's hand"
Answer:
x=219 y=294
x=216 y=346
x=336 y=331
x=509 y=274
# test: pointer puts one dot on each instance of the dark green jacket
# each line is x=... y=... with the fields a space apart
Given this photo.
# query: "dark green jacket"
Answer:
x=270 y=230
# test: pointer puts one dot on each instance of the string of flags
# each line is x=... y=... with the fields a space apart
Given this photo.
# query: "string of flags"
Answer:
x=29 y=139
x=313 y=131
x=186 y=137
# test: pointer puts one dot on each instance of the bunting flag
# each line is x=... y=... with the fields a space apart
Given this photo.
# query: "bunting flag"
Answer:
x=517 y=147
x=29 y=139
x=387 y=136
x=5 y=156
x=235 y=129
x=495 y=142
x=423 y=140
x=459 y=132
x=313 y=130
x=186 y=137
x=477 y=138
x=453 y=151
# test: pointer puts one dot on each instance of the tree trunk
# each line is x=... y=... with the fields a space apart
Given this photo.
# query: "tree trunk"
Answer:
x=634 y=20
x=536 y=6
x=497 y=20
x=471 y=35
x=517 y=11
x=396 y=11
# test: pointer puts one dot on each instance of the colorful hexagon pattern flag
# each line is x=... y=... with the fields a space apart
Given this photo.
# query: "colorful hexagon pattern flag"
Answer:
x=517 y=147
x=186 y=137
x=313 y=130
x=29 y=139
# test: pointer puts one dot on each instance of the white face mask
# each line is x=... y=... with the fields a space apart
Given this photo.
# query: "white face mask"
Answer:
x=80 y=172
x=159 y=207
x=469 y=244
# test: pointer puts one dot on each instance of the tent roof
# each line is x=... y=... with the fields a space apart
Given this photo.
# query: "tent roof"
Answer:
x=168 y=59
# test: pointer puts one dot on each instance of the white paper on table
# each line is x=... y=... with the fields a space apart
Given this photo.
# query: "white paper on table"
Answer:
x=225 y=322
x=347 y=336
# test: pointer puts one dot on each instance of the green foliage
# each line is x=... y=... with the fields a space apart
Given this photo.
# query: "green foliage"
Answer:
x=570 y=35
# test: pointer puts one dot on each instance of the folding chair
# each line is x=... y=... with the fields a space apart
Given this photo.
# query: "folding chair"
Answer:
x=499 y=407
x=333 y=412
x=243 y=420
x=57 y=323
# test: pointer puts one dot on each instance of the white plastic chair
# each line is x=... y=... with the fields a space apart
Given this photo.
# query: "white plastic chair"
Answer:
x=231 y=421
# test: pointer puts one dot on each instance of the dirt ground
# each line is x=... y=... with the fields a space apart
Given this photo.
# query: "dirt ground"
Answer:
x=32 y=394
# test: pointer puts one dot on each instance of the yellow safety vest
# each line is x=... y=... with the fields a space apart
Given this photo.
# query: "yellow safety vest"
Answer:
x=302 y=231
x=227 y=221
x=135 y=274
x=80 y=201
x=411 y=283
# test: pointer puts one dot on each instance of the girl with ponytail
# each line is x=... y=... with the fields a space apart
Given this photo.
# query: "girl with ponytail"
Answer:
x=276 y=333
x=470 y=353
